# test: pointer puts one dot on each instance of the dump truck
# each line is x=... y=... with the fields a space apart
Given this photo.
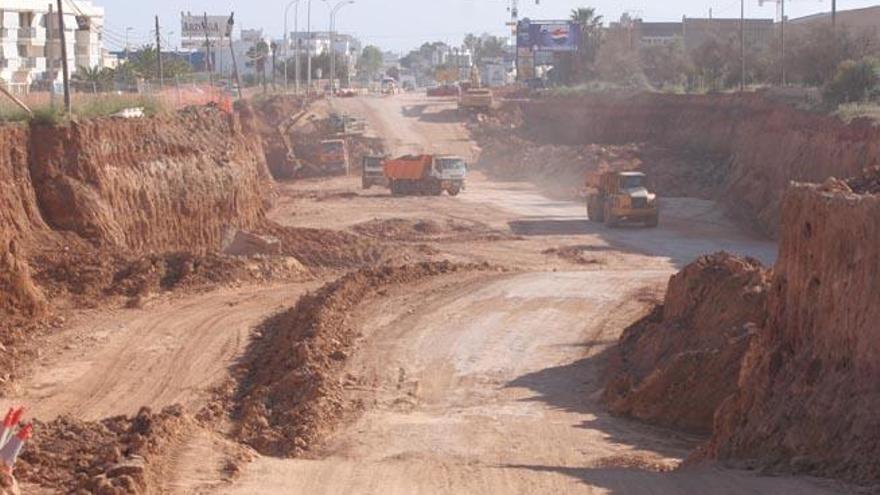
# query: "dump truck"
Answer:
x=334 y=156
x=621 y=196
x=425 y=175
x=373 y=172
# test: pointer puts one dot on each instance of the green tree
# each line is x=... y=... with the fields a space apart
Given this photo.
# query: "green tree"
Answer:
x=94 y=78
x=666 y=64
x=815 y=52
x=144 y=64
x=258 y=56
x=854 y=81
x=484 y=47
x=582 y=64
x=714 y=61
x=618 y=61
x=370 y=62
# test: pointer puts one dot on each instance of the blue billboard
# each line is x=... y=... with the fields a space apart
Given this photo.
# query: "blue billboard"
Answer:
x=548 y=36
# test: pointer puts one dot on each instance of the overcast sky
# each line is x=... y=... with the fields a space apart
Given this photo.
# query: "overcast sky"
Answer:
x=403 y=24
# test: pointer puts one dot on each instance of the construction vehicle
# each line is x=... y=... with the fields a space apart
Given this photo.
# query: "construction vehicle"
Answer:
x=473 y=96
x=334 y=156
x=621 y=196
x=425 y=175
x=373 y=172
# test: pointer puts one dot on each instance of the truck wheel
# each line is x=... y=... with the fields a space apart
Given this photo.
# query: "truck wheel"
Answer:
x=594 y=210
x=396 y=190
x=454 y=190
x=366 y=185
x=610 y=218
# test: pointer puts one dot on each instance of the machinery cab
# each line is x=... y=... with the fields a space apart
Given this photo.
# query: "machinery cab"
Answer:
x=373 y=167
x=450 y=167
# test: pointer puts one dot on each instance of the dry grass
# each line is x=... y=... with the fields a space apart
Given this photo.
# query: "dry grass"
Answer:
x=851 y=111
x=82 y=106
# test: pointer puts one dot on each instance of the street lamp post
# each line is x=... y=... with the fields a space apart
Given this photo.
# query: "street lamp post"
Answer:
x=287 y=43
x=333 y=12
x=309 y=47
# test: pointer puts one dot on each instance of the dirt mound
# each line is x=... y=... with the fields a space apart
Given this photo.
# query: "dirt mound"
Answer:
x=291 y=388
x=676 y=365
x=418 y=230
x=90 y=278
x=326 y=248
x=808 y=396
x=111 y=456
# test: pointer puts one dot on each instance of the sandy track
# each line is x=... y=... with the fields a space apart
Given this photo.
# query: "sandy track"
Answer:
x=491 y=386
x=172 y=352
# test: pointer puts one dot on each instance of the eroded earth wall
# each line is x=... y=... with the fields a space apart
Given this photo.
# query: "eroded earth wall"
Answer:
x=171 y=182
x=160 y=183
x=768 y=143
x=808 y=393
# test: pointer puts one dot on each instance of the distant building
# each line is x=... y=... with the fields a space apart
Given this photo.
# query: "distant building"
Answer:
x=30 y=42
x=758 y=32
x=693 y=32
x=658 y=33
x=865 y=20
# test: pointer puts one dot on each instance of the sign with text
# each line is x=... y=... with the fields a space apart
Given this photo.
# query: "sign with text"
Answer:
x=195 y=26
x=548 y=36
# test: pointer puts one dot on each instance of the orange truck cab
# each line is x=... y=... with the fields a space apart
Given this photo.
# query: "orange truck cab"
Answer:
x=426 y=174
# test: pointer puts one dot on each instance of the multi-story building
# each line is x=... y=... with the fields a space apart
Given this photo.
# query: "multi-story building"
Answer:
x=693 y=32
x=30 y=41
x=758 y=32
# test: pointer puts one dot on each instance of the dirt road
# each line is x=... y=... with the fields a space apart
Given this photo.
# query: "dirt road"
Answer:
x=169 y=352
x=490 y=384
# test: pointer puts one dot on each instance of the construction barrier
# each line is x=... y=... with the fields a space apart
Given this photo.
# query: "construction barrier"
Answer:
x=12 y=442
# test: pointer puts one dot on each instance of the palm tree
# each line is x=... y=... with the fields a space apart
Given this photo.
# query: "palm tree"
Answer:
x=95 y=78
x=591 y=32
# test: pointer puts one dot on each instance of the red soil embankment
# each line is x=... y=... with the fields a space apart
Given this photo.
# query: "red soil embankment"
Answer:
x=809 y=391
x=20 y=224
x=174 y=182
x=167 y=183
x=798 y=390
x=675 y=366
x=767 y=144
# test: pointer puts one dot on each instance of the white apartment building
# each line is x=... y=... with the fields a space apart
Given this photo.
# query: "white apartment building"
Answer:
x=30 y=44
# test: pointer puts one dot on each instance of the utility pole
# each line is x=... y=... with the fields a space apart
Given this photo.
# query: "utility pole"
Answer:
x=159 y=54
x=274 y=47
x=309 y=49
x=782 y=36
x=742 y=45
x=64 y=69
x=834 y=13
x=229 y=25
x=208 y=63
x=50 y=42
